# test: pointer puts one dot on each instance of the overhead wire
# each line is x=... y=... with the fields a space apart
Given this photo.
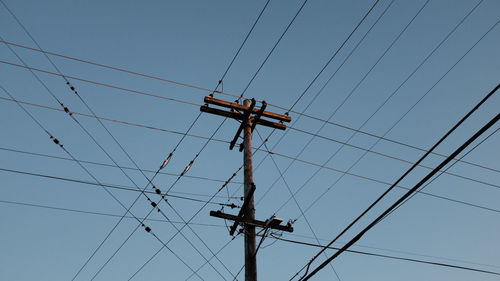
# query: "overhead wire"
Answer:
x=408 y=171
x=59 y=144
x=113 y=166
x=360 y=234
x=248 y=85
x=216 y=253
x=385 y=102
x=302 y=95
x=186 y=169
x=113 y=186
x=344 y=101
x=442 y=172
x=198 y=105
x=296 y=204
x=408 y=253
x=226 y=142
x=25 y=204
x=317 y=95
x=94 y=140
x=413 y=106
x=281 y=155
x=447 y=265
x=66 y=110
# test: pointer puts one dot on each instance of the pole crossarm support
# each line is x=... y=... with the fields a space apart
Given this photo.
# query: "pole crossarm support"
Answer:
x=240 y=116
x=243 y=209
x=237 y=106
x=257 y=223
x=246 y=115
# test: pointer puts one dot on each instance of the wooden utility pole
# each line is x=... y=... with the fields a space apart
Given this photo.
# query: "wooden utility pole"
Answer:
x=250 y=255
x=250 y=117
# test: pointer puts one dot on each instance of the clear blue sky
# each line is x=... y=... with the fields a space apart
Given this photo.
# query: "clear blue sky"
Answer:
x=193 y=42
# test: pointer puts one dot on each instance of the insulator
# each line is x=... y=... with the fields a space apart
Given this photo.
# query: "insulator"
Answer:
x=187 y=168
x=165 y=162
x=147 y=228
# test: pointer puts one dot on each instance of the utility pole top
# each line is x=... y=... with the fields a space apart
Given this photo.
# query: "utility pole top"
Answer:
x=250 y=116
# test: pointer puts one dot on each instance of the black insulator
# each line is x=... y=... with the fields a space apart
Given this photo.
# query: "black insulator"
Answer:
x=72 y=88
x=153 y=204
x=148 y=229
x=158 y=191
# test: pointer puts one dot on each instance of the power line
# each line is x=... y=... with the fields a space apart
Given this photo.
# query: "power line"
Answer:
x=59 y=144
x=304 y=147
x=443 y=171
x=281 y=155
x=389 y=256
x=216 y=253
x=411 y=191
x=242 y=94
x=66 y=110
x=296 y=203
x=25 y=204
x=195 y=214
x=96 y=142
x=197 y=105
x=113 y=186
x=403 y=252
x=224 y=141
x=448 y=133
x=111 y=165
x=302 y=95
x=389 y=97
x=387 y=183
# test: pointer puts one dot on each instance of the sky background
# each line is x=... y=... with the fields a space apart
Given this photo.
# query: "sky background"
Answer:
x=193 y=42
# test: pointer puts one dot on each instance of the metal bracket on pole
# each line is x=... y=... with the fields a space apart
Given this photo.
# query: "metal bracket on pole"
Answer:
x=243 y=209
x=246 y=115
x=257 y=223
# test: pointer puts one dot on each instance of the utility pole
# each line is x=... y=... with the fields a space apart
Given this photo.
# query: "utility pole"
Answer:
x=250 y=117
x=250 y=255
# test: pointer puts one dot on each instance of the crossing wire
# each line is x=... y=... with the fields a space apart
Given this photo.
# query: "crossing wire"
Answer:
x=441 y=172
x=288 y=157
x=404 y=197
x=309 y=86
x=187 y=168
x=25 y=204
x=334 y=112
x=243 y=92
x=113 y=186
x=300 y=114
x=227 y=142
x=66 y=110
x=197 y=105
x=111 y=165
x=97 y=143
x=445 y=136
x=195 y=214
x=58 y=143
x=415 y=104
x=389 y=257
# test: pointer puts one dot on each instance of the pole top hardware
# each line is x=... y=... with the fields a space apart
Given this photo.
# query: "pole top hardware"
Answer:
x=247 y=114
